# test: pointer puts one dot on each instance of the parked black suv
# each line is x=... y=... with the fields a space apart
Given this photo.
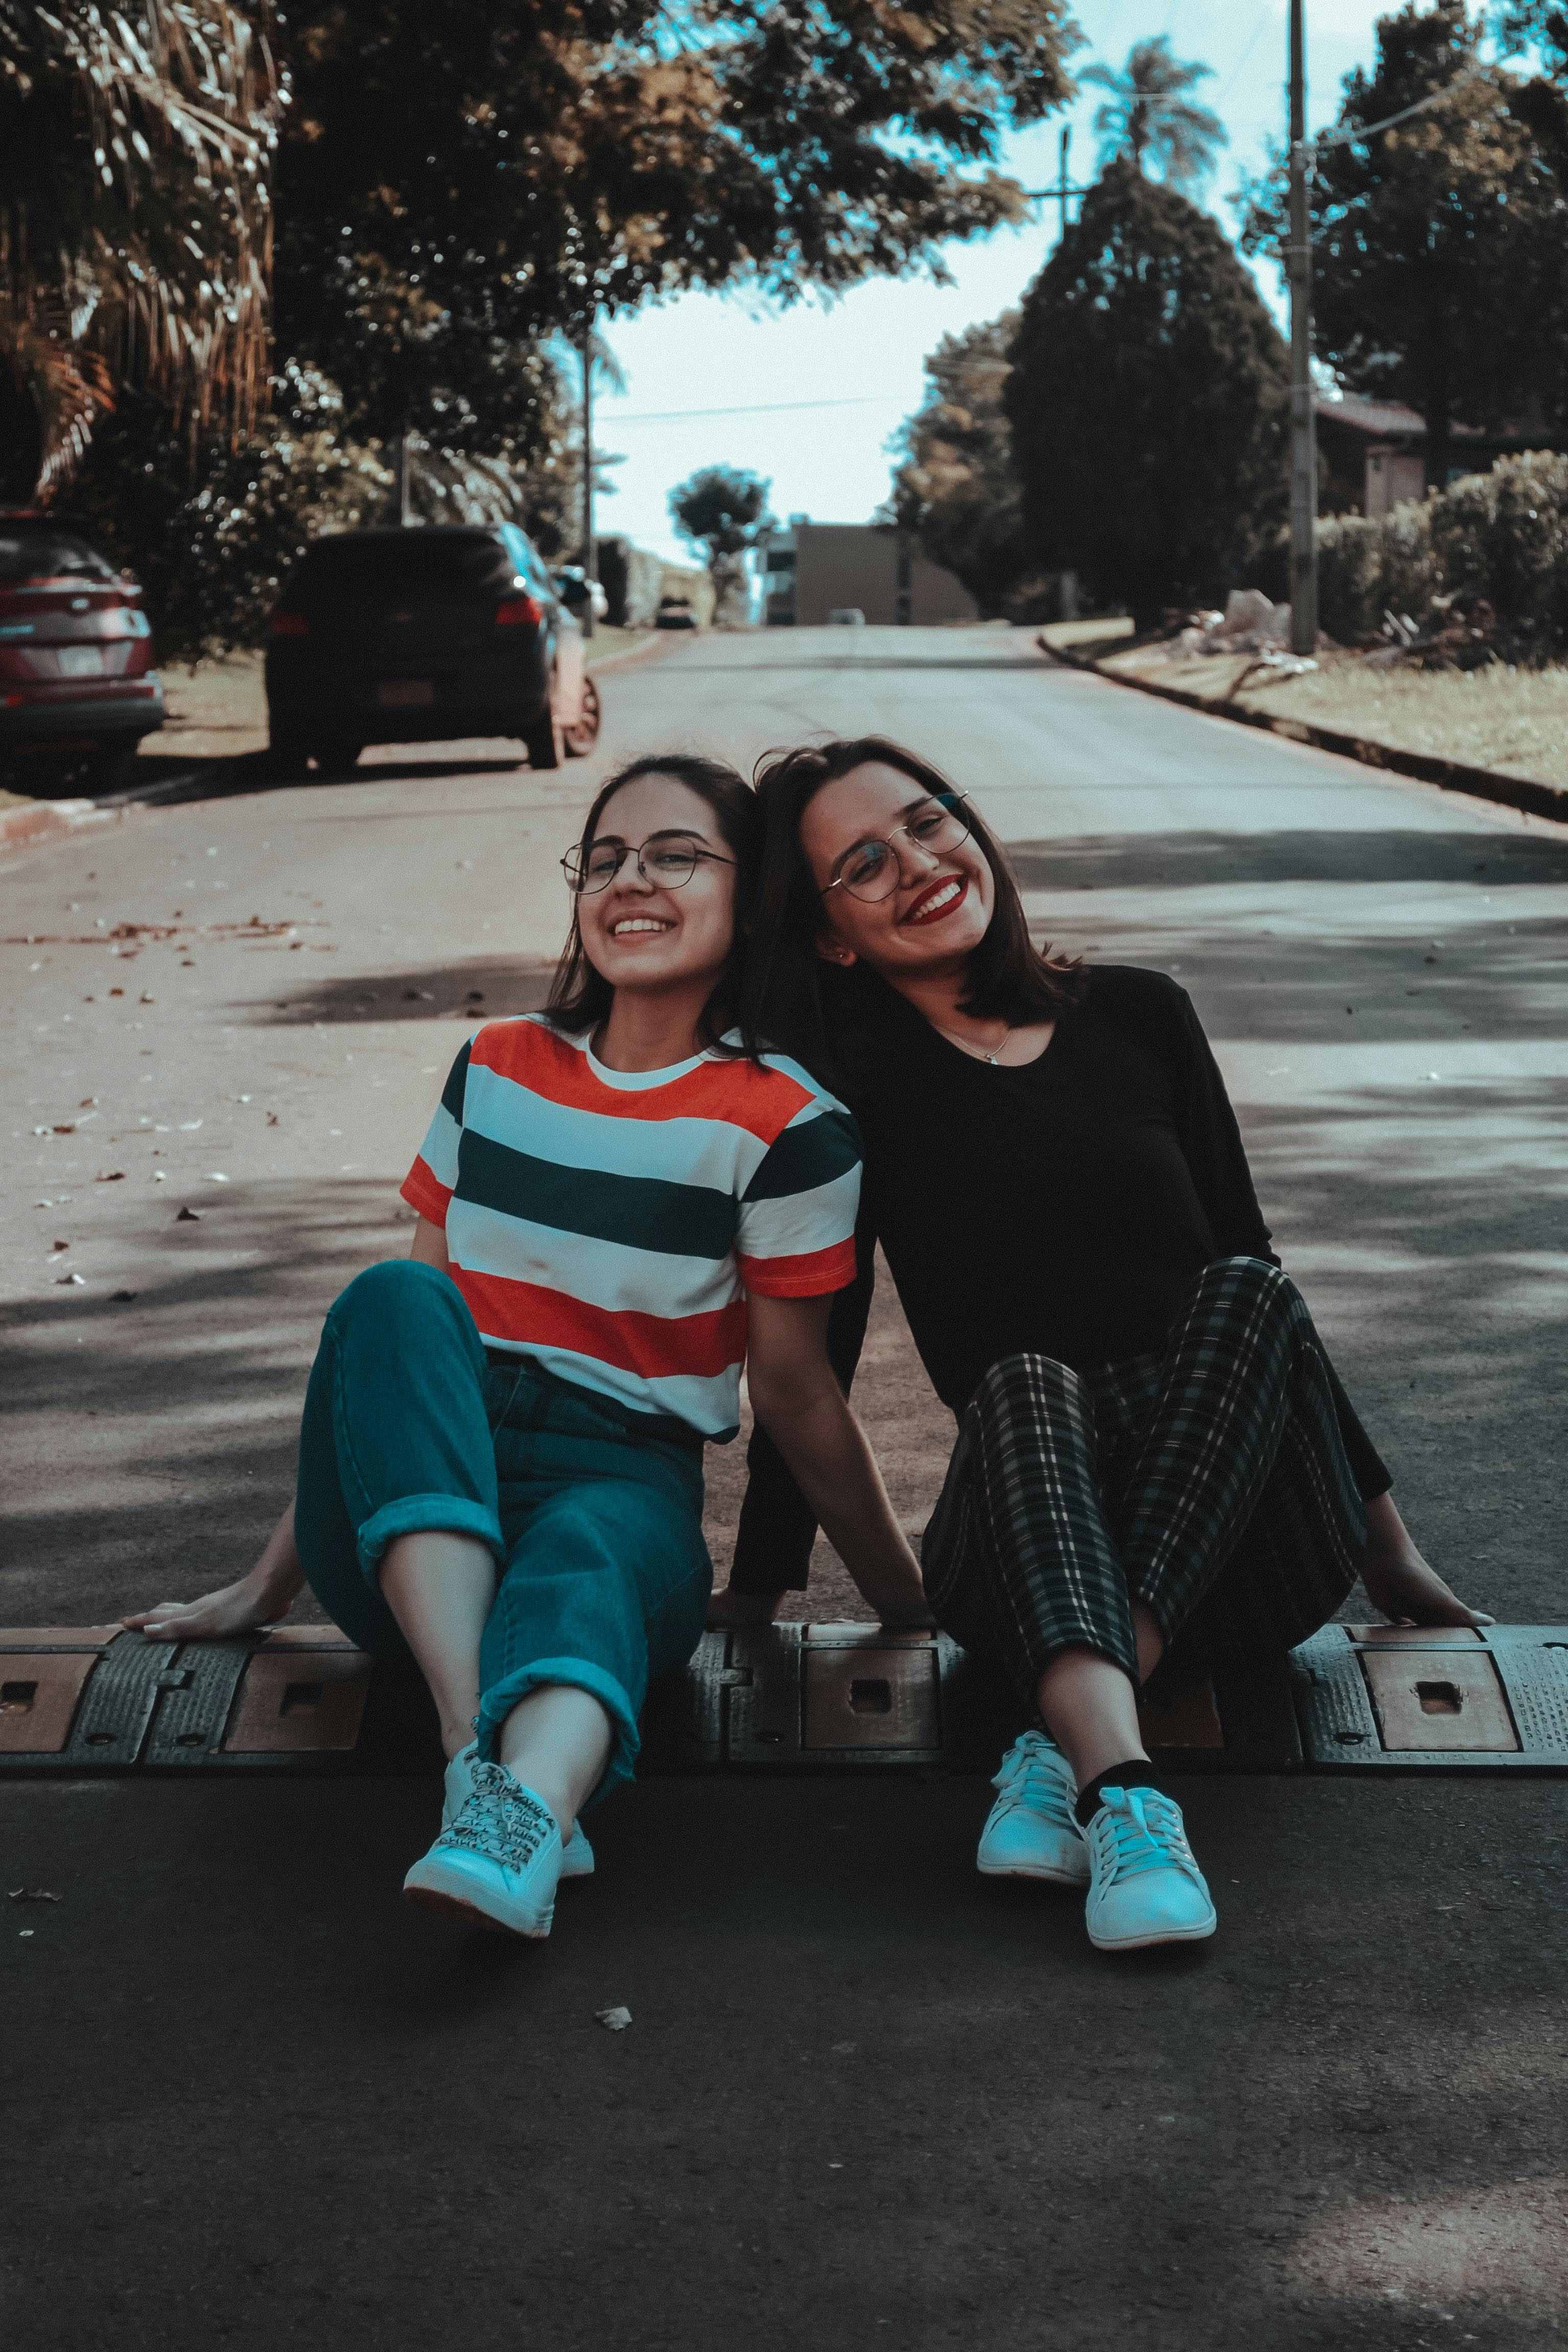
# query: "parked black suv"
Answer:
x=417 y=636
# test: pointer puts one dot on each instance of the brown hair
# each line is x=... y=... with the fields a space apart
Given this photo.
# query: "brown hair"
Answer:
x=822 y=1014
x=580 y=996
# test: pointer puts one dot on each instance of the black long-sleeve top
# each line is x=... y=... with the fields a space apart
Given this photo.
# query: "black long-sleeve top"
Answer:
x=1064 y=1208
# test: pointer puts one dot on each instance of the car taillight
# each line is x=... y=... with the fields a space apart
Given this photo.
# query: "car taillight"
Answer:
x=288 y=624
x=520 y=613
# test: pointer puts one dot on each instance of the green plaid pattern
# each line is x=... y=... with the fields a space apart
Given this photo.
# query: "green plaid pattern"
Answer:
x=1210 y=1481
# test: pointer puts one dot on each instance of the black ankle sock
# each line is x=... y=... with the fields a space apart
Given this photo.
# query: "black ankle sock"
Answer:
x=1136 y=1774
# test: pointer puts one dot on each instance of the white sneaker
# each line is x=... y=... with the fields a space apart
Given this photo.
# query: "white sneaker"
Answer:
x=498 y=1864
x=577 y=1855
x=1031 y=1832
x=1145 y=1886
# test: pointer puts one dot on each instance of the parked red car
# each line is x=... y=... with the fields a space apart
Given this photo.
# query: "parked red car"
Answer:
x=77 y=689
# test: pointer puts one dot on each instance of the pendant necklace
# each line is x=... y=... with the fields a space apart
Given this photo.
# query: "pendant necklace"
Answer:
x=977 y=1053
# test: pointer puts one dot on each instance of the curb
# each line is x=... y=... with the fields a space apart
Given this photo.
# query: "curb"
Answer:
x=620 y=654
x=1452 y=775
x=48 y=820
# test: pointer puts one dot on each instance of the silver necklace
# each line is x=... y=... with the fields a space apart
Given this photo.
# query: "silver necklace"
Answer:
x=977 y=1053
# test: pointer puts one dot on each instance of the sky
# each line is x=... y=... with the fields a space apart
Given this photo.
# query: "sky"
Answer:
x=836 y=380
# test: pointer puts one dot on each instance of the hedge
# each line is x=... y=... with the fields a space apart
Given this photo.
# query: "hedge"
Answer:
x=1502 y=535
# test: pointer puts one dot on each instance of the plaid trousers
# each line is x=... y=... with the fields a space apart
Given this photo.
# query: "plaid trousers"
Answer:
x=1209 y=1482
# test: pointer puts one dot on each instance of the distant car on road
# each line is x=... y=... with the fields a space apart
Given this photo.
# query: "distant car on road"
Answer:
x=422 y=635
x=77 y=691
x=675 y=613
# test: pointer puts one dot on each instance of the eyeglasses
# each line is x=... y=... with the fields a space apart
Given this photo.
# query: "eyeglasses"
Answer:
x=669 y=859
x=870 y=870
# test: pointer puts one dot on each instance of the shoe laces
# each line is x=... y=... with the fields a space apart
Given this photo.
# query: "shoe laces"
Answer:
x=1134 y=1830
x=1033 y=1773
x=500 y=1820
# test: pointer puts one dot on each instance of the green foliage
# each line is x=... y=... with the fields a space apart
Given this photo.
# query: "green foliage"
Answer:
x=1148 y=402
x=134 y=150
x=1439 y=246
x=956 y=488
x=212 y=528
x=722 y=509
x=1502 y=535
x=1365 y=569
x=1149 y=116
x=456 y=182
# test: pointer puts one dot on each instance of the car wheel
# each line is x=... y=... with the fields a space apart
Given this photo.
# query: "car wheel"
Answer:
x=338 y=755
x=581 y=739
x=545 y=741
x=287 y=752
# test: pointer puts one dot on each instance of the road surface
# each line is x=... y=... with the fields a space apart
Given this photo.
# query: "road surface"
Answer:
x=864 y=2097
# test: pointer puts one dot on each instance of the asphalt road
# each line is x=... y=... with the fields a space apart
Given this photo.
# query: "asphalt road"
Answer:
x=864 y=2097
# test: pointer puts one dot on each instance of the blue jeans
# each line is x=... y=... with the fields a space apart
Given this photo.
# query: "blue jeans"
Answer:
x=596 y=1527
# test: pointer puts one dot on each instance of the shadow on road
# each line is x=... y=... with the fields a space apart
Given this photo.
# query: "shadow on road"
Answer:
x=1194 y=860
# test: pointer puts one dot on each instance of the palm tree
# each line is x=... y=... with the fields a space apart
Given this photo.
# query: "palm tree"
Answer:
x=1147 y=115
x=135 y=237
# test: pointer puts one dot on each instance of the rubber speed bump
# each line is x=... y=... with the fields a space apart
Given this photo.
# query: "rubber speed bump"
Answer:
x=1491 y=1698
x=801 y=1698
x=302 y=1698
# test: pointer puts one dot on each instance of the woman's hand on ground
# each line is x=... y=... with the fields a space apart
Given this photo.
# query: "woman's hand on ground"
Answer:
x=1401 y=1582
x=235 y=1609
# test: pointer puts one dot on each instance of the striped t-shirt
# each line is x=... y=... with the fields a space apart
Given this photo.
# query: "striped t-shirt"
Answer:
x=610 y=1223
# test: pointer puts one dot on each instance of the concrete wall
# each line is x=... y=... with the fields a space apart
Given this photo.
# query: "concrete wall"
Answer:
x=857 y=566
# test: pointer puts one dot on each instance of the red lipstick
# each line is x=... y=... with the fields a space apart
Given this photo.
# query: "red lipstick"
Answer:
x=918 y=909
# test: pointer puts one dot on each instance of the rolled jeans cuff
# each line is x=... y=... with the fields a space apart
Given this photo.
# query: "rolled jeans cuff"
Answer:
x=419 y=1515
x=577 y=1673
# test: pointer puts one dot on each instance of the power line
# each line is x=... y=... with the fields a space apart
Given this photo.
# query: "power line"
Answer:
x=769 y=408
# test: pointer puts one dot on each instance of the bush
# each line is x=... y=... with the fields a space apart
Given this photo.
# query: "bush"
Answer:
x=1502 y=535
x=1365 y=569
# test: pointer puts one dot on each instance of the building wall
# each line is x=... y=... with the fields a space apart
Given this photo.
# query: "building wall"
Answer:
x=1392 y=476
x=841 y=567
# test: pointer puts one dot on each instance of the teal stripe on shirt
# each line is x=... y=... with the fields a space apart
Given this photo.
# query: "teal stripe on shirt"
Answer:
x=642 y=1211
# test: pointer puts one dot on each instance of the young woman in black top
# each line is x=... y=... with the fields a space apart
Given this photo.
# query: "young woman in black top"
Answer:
x=1156 y=1465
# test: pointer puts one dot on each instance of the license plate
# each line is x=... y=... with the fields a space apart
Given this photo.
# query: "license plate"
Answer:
x=405 y=693
x=81 y=661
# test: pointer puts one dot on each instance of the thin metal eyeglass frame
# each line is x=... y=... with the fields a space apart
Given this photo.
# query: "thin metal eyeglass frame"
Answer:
x=578 y=876
x=938 y=800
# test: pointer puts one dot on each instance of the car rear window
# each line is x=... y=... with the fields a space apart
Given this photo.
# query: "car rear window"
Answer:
x=414 y=558
x=28 y=552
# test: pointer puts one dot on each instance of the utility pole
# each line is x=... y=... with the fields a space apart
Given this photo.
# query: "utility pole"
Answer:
x=1303 y=430
x=1063 y=190
x=590 y=561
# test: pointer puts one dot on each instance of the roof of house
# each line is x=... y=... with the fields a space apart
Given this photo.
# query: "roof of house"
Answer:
x=1384 y=418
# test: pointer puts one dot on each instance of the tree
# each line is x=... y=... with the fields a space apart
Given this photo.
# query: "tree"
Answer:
x=1148 y=401
x=724 y=510
x=134 y=228
x=1148 y=114
x=1437 y=244
x=456 y=182
x=956 y=488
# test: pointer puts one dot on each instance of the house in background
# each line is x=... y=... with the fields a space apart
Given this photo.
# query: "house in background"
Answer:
x=814 y=569
x=1371 y=453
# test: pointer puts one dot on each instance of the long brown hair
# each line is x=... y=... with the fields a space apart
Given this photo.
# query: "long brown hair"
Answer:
x=825 y=1016
x=581 y=997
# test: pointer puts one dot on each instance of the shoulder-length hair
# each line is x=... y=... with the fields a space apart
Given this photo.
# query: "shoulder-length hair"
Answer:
x=827 y=1017
x=580 y=997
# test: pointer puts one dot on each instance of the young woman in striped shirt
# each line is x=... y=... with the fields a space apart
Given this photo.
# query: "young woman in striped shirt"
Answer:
x=619 y=1201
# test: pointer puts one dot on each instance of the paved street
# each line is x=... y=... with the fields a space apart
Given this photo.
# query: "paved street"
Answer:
x=865 y=2098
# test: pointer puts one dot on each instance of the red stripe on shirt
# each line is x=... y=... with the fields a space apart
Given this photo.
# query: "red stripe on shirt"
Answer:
x=805 y=1276
x=739 y=1093
x=420 y=1189
x=655 y=1347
